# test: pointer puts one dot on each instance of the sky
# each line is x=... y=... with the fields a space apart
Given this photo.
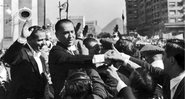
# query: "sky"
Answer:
x=103 y=11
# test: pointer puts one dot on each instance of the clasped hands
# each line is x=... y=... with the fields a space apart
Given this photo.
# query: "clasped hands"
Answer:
x=111 y=55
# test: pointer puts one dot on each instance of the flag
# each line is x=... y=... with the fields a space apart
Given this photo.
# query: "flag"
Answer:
x=67 y=8
x=123 y=17
x=63 y=6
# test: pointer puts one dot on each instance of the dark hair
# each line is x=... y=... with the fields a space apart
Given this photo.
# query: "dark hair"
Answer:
x=60 y=22
x=126 y=46
x=34 y=30
x=87 y=41
x=175 y=48
x=142 y=83
x=76 y=85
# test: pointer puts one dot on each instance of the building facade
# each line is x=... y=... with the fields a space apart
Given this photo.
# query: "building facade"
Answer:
x=176 y=22
x=155 y=17
x=11 y=23
x=93 y=27
x=131 y=15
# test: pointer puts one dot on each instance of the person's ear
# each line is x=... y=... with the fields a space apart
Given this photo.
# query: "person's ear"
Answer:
x=172 y=60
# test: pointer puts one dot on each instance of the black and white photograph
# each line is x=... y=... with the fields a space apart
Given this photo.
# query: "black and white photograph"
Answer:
x=92 y=49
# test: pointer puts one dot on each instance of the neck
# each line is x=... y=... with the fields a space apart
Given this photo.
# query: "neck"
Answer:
x=175 y=72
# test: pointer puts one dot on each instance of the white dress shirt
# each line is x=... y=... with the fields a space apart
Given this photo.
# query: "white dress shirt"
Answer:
x=71 y=49
x=175 y=82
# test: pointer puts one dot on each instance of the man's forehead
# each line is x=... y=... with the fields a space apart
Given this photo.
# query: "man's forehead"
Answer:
x=40 y=34
x=68 y=24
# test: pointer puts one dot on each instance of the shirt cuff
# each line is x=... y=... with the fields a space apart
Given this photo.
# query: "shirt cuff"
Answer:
x=121 y=85
x=126 y=57
x=22 y=40
x=98 y=58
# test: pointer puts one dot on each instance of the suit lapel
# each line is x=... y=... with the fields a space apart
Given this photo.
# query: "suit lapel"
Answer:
x=64 y=48
x=32 y=60
x=180 y=89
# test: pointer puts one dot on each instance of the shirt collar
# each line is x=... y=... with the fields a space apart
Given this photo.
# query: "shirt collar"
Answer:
x=35 y=54
x=72 y=48
x=175 y=81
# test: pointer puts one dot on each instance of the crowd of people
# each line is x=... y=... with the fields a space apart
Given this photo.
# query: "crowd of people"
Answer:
x=78 y=67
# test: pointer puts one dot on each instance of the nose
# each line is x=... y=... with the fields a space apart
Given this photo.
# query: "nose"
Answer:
x=44 y=42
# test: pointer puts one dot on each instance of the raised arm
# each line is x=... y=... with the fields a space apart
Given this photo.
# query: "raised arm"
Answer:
x=12 y=55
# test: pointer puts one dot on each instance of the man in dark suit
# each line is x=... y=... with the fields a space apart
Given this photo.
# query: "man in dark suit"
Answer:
x=26 y=66
x=172 y=78
x=65 y=57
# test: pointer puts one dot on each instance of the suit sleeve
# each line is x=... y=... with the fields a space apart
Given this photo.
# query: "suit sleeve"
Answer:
x=156 y=73
x=61 y=57
x=126 y=93
x=13 y=55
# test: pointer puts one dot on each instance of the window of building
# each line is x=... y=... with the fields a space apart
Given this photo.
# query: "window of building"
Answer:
x=172 y=12
x=179 y=12
x=172 y=20
x=172 y=4
x=179 y=3
x=179 y=19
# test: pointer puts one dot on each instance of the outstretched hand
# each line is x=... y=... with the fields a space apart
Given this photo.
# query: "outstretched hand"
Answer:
x=25 y=32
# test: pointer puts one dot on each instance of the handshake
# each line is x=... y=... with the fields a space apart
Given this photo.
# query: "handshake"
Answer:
x=109 y=56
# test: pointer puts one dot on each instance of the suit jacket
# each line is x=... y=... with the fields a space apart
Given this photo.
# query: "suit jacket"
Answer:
x=61 y=61
x=163 y=79
x=26 y=81
x=125 y=93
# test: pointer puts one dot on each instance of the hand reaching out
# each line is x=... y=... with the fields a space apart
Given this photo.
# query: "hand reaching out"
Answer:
x=113 y=72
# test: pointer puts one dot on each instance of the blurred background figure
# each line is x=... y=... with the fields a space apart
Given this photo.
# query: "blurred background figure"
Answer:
x=4 y=77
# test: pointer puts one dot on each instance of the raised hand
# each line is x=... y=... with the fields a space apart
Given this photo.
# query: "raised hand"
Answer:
x=25 y=32
x=113 y=72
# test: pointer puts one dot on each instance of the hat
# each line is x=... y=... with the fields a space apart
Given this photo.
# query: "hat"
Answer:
x=151 y=48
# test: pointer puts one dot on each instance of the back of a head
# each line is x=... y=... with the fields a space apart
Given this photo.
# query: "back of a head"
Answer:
x=87 y=42
x=60 y=22
x=77 y=85
x=175 y=48
x=107 y=43
x=126 y=46
x=142 y=83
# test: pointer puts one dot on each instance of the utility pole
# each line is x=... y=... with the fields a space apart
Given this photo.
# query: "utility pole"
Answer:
x=44 y=12
x=59 y=5
x=67 y=9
